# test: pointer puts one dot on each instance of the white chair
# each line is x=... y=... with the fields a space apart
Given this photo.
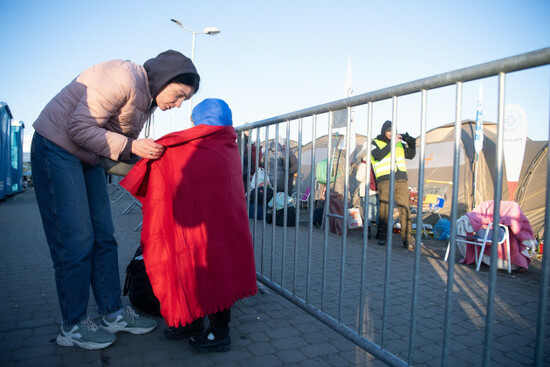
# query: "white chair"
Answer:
x=482 y=238
x=302 y=198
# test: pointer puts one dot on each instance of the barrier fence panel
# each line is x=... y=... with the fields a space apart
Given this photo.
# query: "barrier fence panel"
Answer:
x=400 y=314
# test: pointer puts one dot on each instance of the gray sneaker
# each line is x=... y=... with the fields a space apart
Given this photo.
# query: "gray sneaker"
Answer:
x=129 y=321
x=86 y=334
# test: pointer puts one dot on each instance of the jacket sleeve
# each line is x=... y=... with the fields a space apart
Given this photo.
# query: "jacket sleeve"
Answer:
x=105 y=94
x=293 y=164
x=411 y=141
x=126 y=155
x=410 y=146
x=410 y=152
x=361 y=174
x=379 y=154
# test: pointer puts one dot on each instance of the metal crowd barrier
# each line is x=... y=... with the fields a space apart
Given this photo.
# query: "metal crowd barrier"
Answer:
x=323 y=297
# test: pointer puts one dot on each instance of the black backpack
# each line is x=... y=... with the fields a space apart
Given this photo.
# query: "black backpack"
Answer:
x=138 y=287
x=280 y=217
x=261 y=191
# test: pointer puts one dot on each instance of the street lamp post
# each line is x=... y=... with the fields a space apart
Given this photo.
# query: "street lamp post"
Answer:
x=208 y=30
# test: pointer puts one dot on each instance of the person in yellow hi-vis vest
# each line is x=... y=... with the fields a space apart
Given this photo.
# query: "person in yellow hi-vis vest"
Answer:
x=405 y=148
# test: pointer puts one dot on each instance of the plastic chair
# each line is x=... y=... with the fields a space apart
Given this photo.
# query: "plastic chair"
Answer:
x=482 y=238
x=303 y=198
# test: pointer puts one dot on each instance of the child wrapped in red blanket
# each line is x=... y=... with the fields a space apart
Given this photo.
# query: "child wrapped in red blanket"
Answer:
x=196 y=238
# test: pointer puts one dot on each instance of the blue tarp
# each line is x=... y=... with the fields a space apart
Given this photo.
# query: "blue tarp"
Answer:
x=5 y=150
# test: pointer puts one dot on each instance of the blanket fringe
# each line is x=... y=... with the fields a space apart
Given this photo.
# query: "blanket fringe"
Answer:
x=211 y=310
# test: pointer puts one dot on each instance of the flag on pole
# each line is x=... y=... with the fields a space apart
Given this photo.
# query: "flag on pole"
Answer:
x=478 y=140
x=349 y=88
x=343 y=116
x=515 y=136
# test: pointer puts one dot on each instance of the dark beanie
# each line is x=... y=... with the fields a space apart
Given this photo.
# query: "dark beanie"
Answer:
x=165 y=67
x=386 y=126
x=213 y=112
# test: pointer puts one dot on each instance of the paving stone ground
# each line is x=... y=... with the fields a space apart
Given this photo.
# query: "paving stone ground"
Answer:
x=267 y=329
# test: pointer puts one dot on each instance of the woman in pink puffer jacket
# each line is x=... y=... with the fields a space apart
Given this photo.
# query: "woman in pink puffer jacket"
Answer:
x=99 y=114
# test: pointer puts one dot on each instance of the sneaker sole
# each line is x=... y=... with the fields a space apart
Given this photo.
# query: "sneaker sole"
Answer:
x=135 y=331
x=70 y=342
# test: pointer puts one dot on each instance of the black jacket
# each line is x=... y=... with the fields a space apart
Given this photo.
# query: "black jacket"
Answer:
x=409 y=147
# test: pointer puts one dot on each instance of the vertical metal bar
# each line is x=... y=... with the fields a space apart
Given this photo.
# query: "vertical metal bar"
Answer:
x=418 y=237
x=451 y=258
x=241 y=150
x=366 y=224
x=248 y=163
x=311 y=202
x=285 y=206
x=264 y=204
x=496 y=220
x=345 y=221
x=255 y=209
x=543 y=294
x=274 y=208
x=326 y=211
x=389 y=229
x=297 y=191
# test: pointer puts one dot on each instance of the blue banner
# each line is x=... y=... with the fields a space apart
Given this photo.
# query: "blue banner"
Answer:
x=478 y=140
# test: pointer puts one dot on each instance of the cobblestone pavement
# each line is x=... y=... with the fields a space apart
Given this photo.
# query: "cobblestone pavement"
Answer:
x=267 y=330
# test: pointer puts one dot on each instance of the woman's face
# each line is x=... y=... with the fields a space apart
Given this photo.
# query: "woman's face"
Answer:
x=173 y=95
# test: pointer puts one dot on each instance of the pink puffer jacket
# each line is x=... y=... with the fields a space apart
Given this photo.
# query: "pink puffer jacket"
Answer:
x=97 y=112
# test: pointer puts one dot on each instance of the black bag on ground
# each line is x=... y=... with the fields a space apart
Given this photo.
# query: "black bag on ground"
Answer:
x=138 y=287
x=280 y=217
x=258 y=213
x=318 y=215
x=261 y=191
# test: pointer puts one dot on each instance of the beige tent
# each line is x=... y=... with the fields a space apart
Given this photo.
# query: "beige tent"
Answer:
x=531 y=191
x=339 y=160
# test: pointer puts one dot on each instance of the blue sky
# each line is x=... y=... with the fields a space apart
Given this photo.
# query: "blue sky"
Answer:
x=274 y=57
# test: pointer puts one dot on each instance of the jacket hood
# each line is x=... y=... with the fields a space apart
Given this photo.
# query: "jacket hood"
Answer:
x=385 y=127
x=213 y=112
x=165 y=67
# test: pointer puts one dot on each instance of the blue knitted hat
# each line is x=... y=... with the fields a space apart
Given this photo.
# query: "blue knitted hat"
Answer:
x=213 y=112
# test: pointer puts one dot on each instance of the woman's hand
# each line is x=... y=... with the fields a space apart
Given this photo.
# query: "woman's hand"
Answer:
x=147 y=148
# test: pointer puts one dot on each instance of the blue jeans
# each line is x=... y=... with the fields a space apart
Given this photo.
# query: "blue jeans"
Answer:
x=76 y=214
x=373 y=208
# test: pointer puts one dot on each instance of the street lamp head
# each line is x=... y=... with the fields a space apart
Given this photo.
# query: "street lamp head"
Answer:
x=211 y=30
x=177 y=22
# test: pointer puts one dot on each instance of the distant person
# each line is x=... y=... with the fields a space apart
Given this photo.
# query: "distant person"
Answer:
x=100 y=113
x=275 y=165
x=363 y=192
x=245 y=158
x=292 y=169
x=405 y=148
x=196 y=239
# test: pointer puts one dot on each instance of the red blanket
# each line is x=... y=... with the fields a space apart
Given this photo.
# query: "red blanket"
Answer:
x=196 y=238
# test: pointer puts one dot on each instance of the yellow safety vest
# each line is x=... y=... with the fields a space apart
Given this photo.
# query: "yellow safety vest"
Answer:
x=383 y=167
